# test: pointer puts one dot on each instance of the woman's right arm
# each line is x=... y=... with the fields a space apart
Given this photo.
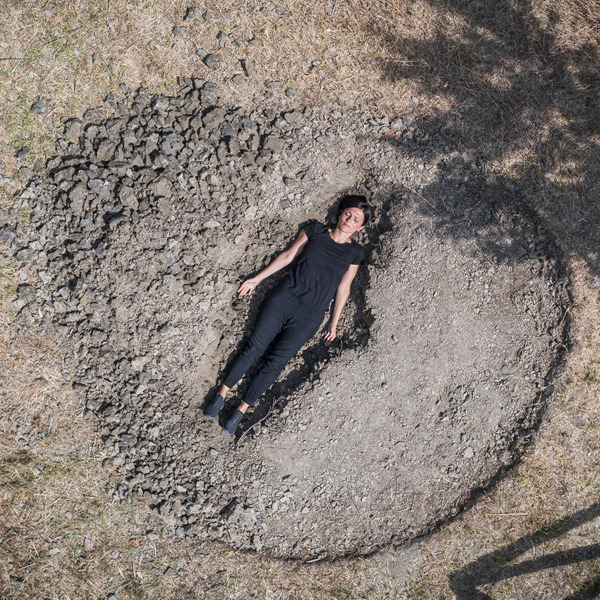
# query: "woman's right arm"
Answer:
x=281 y=260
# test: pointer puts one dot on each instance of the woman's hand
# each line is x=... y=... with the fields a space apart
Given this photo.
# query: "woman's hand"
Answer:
x=248 y=286
x=330 y=335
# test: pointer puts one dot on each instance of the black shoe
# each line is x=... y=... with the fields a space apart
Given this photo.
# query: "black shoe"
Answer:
x=213 y=409
x=232 y=423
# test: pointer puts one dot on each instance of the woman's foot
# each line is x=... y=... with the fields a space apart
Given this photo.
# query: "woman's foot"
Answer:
x=214 y=408
x=232 y=423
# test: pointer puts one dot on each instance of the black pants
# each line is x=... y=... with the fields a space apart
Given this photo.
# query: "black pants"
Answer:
x=286 y=322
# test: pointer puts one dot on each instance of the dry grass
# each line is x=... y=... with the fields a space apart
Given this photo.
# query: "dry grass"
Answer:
x=517 y=84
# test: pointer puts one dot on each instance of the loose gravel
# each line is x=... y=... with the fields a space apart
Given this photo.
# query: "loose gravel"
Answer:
x=146 y=221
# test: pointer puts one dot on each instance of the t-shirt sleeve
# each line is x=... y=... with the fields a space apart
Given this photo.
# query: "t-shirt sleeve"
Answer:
x=360 y=255
x=313 y=228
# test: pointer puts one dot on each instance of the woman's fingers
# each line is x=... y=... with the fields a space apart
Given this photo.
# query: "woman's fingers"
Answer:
x=247 y=287
x=329 y=337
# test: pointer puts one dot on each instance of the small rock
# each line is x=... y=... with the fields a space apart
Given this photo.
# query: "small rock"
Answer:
x=208 y=16
x=237 y=79
x=211 y=61
x=178 y=30
x=468 y=453
x=42 y=106
x=98 y=186
x=209 y=94
x=26 y=292
x=111 y=99
x=94 y=114
x=25 y=174
x=22 y=154
x=7 y=235
x=248 y=67
x=73 y=130
x=397 y=124
x=193 y=12
x=293 y=117
x=18 y=305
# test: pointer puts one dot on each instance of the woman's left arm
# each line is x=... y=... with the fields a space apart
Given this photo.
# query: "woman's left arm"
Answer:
x=341 y=296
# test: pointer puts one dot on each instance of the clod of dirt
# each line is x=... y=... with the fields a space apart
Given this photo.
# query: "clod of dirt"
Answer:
x=147 y=221
x=42 y=106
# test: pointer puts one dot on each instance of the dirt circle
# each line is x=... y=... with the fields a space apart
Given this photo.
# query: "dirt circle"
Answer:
x=147 y=221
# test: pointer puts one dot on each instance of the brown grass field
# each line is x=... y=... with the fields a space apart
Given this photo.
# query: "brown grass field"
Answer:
x=526 y=73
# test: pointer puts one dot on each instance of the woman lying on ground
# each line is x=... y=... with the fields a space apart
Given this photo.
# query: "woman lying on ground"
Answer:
x=328 y=262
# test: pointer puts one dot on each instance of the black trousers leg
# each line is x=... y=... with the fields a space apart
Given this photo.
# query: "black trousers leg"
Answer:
x=297 y=331
x=271 y=320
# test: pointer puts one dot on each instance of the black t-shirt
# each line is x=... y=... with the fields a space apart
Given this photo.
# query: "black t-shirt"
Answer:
x=321 y=265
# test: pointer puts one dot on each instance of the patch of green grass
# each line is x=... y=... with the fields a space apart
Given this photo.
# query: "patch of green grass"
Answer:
x=593 y=375
x=9 y=292
x=21 y=124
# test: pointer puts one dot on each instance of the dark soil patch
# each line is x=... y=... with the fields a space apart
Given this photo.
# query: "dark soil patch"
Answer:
x=143 y=228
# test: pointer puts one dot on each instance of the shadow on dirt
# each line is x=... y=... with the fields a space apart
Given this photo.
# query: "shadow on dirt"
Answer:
x=500 y=565
x=524 y=87
x=521 y=138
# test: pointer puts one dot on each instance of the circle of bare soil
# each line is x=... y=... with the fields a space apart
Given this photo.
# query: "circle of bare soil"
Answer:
x=143 y=227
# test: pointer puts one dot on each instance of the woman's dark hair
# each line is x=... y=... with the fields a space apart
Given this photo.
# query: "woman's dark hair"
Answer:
x=357 y=202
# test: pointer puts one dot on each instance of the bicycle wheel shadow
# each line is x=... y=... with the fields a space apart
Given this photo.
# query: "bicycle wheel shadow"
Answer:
x=500 y=565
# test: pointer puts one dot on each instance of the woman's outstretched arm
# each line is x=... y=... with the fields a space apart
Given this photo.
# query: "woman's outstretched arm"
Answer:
x=341 y=296
x=281 y=260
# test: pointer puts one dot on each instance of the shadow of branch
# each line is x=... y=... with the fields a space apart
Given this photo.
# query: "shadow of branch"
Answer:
x=500 y=564
x=521 y=102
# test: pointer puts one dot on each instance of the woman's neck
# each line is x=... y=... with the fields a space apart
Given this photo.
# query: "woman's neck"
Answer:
x=339 y=236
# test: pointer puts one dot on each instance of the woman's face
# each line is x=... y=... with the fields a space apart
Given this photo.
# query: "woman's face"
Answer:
x=351 y=220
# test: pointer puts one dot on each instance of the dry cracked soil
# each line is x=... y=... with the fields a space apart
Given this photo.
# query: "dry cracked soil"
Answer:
x=146 y=221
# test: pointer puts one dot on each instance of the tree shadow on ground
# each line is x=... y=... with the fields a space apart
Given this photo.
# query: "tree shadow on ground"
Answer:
x=499 y=565
x=518 y=86
x=512 y=105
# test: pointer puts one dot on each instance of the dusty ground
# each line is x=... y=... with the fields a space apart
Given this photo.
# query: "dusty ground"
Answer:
x=519 y=118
